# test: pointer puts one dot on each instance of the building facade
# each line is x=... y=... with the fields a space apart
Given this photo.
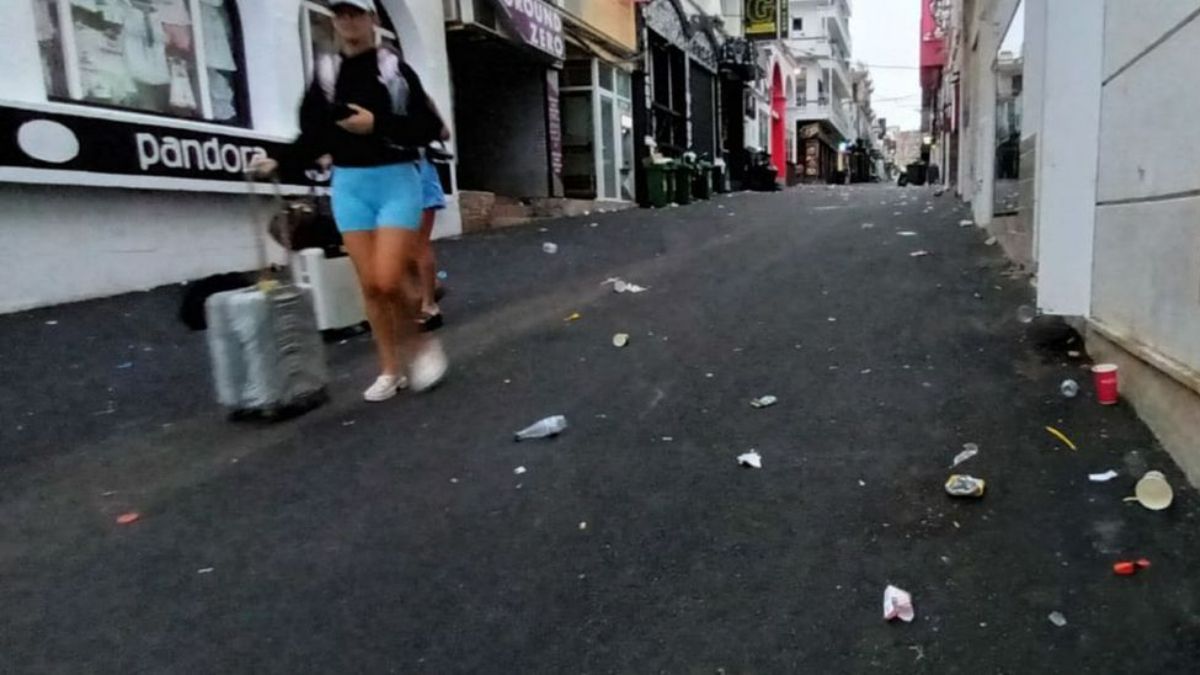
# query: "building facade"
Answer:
x=823 y=108
x=127 y=126
x=1109 y=218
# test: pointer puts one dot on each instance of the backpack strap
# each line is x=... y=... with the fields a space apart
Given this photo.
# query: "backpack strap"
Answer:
x=391 y=75
x=394 y=78
x=325 y=72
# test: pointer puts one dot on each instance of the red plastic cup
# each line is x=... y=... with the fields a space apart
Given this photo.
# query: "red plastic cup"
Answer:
x=1105 y=375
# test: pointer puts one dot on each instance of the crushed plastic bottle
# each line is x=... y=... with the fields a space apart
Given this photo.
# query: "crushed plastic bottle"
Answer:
x=1069 y=388
x=551 y=426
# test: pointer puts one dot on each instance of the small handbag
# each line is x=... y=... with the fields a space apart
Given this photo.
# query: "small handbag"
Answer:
x=307 y=222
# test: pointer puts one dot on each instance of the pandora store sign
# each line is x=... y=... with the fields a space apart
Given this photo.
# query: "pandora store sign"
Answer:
x=60 y=143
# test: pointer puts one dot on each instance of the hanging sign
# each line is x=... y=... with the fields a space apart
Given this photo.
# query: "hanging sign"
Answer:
x=537 y=23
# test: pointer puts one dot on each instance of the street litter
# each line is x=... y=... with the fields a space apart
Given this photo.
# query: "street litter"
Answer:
x=1128 y=568
x=574 y=316
x=583 y=525
x=1069 y=388
x=764 y=401
x=1062 y=437
x=919 y=254
x=593 y=224
x=750 y=459
x=1102 y=477
x=960 y=485
x=550 y=247
x=620 y=339
x=125 y=366
x=127 y=518
x=550 y=426
x=621 y=286
x=990 y=241
x=52 y=322
x=897 y=604
x=1057 y=619
x=1153 y=491
x=204 y=570
x=442 y=275
x=906 y=233
x=867 y=226
x=519 y=470
x=969 y=451
x=966 y=223
x=1026 y=314
x=833 y=319
x=1105 y=378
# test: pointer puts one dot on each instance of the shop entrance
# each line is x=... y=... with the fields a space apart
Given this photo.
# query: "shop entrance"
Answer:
x=597 y=131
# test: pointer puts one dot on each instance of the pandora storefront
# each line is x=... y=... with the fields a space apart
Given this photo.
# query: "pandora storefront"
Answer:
x=126 y=125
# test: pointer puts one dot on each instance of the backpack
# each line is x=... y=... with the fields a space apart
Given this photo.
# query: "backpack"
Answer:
x=401 y=83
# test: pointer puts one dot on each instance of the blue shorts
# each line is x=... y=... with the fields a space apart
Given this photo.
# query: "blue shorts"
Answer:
x=365 y=198
x=431 y=186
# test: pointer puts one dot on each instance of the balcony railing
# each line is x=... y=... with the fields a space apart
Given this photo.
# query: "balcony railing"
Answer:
x=825 y=109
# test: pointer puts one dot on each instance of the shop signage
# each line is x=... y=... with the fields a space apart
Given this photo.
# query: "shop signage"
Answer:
x=935 y=16
x=32 y=139
x=539 y=25
x=763 y=20
x=554 y=123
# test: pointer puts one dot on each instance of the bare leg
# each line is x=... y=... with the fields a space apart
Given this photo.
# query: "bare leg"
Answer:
x=394 y=281
x=428 y=265
x=380 y=311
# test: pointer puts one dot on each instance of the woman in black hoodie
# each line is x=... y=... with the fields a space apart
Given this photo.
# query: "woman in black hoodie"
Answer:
x=367 y=109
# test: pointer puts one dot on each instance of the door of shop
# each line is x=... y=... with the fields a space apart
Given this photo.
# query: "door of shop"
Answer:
x=598 y=131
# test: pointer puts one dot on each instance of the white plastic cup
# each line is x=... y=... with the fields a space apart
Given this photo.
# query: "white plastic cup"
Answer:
x=1153 y=491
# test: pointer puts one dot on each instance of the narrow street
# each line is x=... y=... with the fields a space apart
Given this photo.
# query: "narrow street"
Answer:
x=397 y=537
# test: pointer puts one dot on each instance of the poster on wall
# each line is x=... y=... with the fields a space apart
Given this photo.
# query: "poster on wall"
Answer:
x=765 y=19
x=57 y=146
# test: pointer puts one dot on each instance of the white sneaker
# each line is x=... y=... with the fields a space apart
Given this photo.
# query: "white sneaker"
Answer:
x=385 y=387
x=429 y=366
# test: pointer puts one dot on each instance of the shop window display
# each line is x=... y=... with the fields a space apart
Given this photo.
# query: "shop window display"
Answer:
x=180 y=58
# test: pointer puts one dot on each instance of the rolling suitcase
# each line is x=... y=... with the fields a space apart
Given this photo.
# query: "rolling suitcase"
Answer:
x=268 y=359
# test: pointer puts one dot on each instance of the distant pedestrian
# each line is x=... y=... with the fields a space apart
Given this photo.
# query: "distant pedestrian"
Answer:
x=368 y=109
x=434 y=201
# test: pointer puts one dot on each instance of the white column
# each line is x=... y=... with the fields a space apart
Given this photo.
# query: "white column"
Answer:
x=1068 y=148
x=983 y=194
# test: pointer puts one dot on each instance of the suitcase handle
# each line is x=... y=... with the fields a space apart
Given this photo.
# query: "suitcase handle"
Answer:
x=266 y=278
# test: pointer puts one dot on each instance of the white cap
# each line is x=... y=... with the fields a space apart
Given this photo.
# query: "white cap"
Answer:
x=364 y=5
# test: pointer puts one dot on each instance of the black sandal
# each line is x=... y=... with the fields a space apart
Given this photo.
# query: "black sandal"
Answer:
x=431 y=322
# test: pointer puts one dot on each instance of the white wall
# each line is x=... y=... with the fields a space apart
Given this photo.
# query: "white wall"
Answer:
x=1066 y=154
x=67 y=245
x=83 y=242
x=1147 y=239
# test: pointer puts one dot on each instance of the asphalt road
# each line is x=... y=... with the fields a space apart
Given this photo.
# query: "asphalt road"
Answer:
x=397 y=538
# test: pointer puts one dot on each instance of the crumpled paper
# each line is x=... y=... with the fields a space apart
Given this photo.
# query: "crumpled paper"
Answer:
x=750 y=459
x=897 y=604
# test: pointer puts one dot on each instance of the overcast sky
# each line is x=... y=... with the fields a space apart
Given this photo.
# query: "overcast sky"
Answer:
x=888 y=33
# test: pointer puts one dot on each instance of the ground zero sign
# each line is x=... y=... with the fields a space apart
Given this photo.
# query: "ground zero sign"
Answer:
x=539 y=25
